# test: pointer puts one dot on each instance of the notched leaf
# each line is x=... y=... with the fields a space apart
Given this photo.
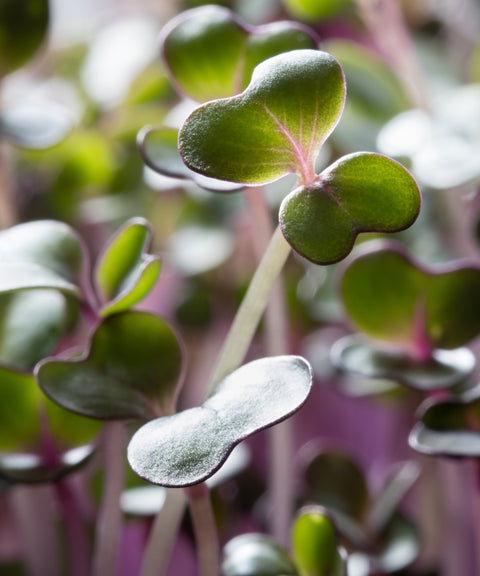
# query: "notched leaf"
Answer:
x=131 y=370
x=361 y=192
x=188 y=447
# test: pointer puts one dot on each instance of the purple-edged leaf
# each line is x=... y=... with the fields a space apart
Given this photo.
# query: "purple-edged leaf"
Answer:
x=23 y=27
x=40 y=254
x=274 y=127
x=188 y=447
x=159 y=150
x=35 y=126
x=211 y=53
x=392 y=298
x=361 y=192
x=449 y=427
x=315 y=546
x=125 y=271
x=256 y=555
x=444 y=369
x=132 y=369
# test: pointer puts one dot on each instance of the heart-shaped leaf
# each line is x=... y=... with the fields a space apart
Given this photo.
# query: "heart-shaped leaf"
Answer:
x=211 y=53
x=276 y=126
x=159 y=150
x=444 y=369
x=132 y=369
x=35 y=126
x=188 y=447
x=256 y=555
x=449 y=427
x=315 y=546
x=392 y=298
x=32 y=323
x=40 y=254
x=23 y=26
x=125 y=272
x=360 y=192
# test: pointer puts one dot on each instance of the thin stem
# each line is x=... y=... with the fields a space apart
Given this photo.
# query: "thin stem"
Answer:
x=205 y=529
x=32 y=508
x=76 y=530
x=110 y=519
x=276 y=343
x=162 y=536
x=251 y=309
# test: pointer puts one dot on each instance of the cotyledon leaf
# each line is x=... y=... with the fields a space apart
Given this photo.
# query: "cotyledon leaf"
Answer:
x=360 y=192
x=211 y=53
x=276 y=126
x=188 y=447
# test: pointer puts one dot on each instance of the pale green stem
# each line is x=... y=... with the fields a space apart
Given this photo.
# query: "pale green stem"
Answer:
x=163 y=534
x=231 y=356
x=251 y=309
x=205 y=529
x=110 y=518
x=281 y=473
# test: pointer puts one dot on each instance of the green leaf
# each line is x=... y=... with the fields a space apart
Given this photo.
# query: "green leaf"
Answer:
x=394 y=299
x=336 y=481
x=132 y=369
x=159 y=150
x=315 y=10
x=399 y=546
x=274 y=127
x=444 y=369
x=125 y=272
x=211 y=53
x=256 y=555
x=32 y=324
x=40 y=254
x=188 y=447
x=449 y=427
x=314 y=544
x=23 y=26
x=361 y=192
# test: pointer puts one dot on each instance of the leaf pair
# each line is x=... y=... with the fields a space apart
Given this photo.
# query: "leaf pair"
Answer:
x=277 y=126
x=315 y=550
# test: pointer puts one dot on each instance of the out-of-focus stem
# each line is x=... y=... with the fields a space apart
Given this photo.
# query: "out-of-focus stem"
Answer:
x=110 y=518
x=281 y=472
x=76 y=530
x=205 y=529
x=32 y=508
x=163 y=534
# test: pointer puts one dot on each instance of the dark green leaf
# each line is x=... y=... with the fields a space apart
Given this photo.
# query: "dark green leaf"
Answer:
x=23 y=26
x=132 y=369
x=392 y=298
x=276 y=126
x=125 y=272
x=211 y=53
x=361 y=192
x=188 y=447
x=444 y=369
x=256 y=555
x=449 y=427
